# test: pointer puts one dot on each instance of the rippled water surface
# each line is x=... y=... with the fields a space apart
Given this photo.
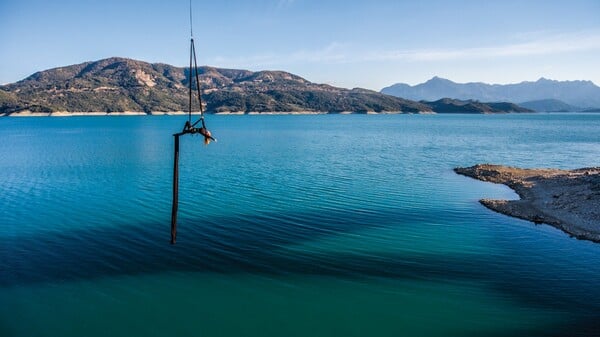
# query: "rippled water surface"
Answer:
x=330 y=225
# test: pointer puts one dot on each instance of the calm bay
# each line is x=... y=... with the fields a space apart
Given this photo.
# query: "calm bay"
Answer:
x=307 y=225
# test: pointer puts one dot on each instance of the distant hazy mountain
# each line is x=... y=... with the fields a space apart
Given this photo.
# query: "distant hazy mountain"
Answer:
x=119 y=84
x=592 y=110
x=448 y=105
x=577 y=93
x=550 y=105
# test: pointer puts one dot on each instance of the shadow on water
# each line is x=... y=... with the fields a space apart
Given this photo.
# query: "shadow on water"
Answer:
x=224 y=245
x=258 y=245
x=233 y=244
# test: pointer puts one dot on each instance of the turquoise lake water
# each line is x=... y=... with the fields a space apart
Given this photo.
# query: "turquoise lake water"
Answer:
x=328 y=225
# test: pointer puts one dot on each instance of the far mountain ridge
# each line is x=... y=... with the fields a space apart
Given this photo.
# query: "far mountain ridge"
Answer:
x=577 y=93
x=449 y=105
x=125 y=85
x=550 y=105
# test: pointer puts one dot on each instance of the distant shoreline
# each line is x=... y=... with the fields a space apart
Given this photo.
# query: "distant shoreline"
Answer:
x=566 y=199
x=28 y=113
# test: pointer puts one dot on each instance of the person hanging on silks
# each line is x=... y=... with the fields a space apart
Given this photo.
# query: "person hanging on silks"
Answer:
x=207 y=135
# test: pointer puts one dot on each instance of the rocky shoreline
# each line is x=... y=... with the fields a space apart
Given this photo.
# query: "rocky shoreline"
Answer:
x=566 y=199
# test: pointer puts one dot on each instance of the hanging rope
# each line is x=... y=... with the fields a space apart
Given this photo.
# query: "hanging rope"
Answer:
x=189 y=126
x=190 y=85
x=198 y=86
x=191 y=26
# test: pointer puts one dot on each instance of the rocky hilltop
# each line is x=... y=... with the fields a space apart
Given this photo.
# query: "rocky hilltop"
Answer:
x=121 y=85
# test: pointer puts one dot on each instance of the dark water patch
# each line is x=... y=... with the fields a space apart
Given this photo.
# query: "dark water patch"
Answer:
x=143 y=249
x=254 y=243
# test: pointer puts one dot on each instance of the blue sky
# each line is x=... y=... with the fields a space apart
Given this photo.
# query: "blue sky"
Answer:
x=369 y=44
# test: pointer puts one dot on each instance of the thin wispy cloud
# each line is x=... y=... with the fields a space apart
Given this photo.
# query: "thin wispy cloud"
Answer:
x=544 y=46
x=346 y=53
x=284 y=3
x=332 y=53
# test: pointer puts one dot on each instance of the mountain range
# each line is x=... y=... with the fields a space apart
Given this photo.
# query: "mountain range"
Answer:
x=545 y=94
x=124 y=85
x=120 y=84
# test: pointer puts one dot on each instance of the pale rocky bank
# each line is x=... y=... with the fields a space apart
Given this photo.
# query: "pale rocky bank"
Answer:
x=566 y=199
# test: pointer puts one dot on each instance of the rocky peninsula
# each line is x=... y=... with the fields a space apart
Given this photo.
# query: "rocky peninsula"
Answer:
x=566 y=199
